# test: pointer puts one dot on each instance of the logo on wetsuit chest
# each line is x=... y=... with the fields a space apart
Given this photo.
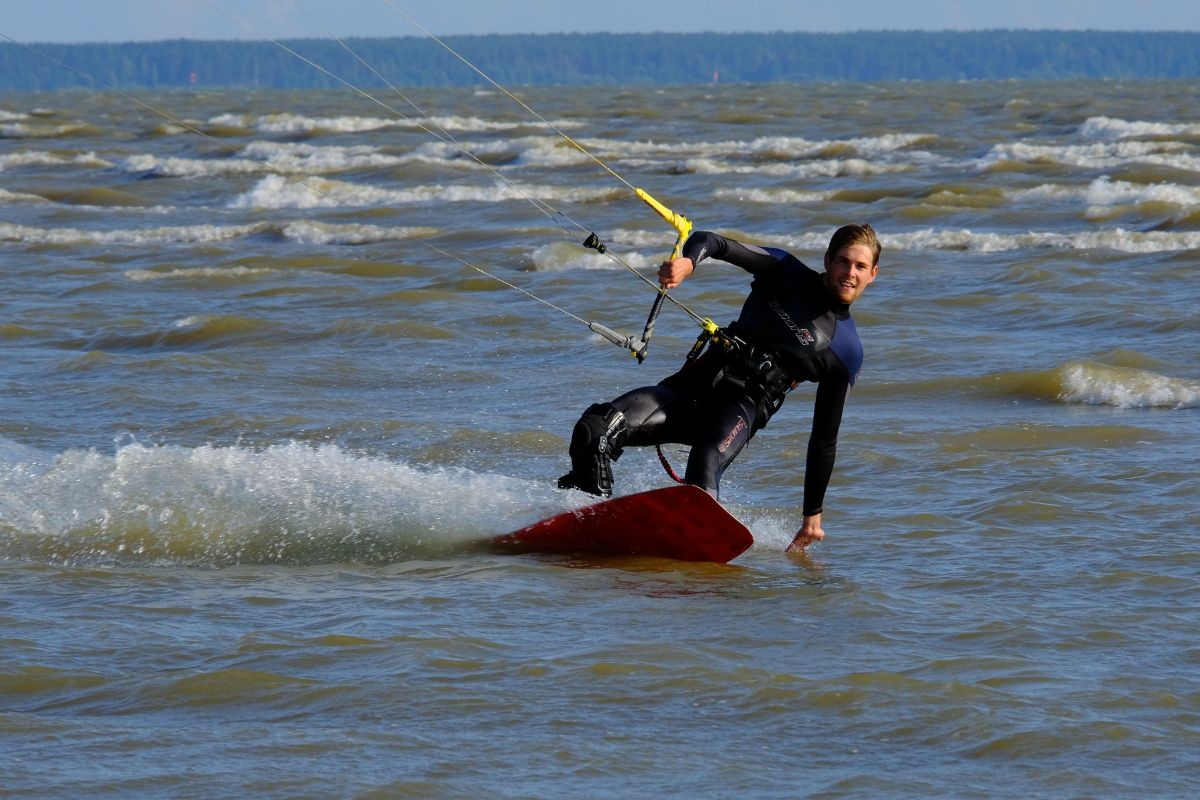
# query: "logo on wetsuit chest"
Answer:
x=803 y=335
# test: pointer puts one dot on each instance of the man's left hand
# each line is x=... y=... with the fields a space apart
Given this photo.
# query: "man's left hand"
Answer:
x=809 y=532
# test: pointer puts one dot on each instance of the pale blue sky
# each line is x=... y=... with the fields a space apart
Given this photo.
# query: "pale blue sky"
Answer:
x=138 y=20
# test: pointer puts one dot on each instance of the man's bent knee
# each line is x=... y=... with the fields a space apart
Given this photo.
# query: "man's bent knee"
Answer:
x=596 y=442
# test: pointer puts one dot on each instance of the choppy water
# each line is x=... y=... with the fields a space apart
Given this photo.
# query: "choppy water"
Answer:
x=254 y=427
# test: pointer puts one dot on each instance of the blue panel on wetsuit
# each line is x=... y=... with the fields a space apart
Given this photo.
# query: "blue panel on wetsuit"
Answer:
x=847 y=347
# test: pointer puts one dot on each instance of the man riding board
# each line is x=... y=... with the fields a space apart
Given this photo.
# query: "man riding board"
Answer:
x=794 y=327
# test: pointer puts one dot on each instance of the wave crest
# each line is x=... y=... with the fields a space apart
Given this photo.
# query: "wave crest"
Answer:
x=1125 y=387
x=212 y=506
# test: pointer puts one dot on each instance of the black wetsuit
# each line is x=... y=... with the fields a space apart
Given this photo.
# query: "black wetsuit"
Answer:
x=790 y=329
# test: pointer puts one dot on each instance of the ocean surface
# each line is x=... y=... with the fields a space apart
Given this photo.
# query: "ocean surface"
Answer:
x=275 y=365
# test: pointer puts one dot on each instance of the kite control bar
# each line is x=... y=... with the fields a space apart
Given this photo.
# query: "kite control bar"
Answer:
x=683 y=227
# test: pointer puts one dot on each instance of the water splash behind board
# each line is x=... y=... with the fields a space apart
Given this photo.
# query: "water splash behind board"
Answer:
x=290 y=503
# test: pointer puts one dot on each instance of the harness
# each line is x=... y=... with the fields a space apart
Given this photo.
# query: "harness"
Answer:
x=749 y=367
x=745 y=367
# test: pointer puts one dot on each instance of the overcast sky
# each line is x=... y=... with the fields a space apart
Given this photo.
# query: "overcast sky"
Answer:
x=139 y=20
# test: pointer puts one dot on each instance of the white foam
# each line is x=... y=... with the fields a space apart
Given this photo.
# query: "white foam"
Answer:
x=186 y=234
x=266 y=157
x=1095 y=155
x=311 y=232
x=275 y=191
x=525 y=151
x=150 y=275
x=651 y=244
x=38 y=130
x=298 y=123
x=1112 y=128
x=1097 y=384
x=1103 y=194
x=1106 y=192
x=778 y=147
x=1055 y=192
x=290 y=123
x=563 y=256
x=772 y=196
x=36 y=158
x=822 y=168
x=176 y=167
x=219 y=505
x=544 y=151
x=298 y=156
x=19 y=197
x=1116 y=239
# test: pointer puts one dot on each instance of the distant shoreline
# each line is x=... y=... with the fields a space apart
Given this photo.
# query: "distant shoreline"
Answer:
x=608 y=59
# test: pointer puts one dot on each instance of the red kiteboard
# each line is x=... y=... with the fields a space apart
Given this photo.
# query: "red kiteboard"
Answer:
x=681 y=522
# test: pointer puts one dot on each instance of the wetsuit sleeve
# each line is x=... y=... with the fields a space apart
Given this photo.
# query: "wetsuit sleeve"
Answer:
x=706 y=244
x=822 y=443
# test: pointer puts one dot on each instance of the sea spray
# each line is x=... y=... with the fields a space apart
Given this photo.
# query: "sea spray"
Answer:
x=213 y=506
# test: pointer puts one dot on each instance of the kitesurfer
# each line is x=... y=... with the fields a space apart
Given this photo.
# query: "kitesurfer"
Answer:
x=794 y=326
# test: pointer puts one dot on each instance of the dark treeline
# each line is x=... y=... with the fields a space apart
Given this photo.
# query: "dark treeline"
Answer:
x=611 y=59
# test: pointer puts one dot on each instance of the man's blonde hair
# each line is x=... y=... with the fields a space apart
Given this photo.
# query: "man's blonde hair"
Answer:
x=848 y=235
